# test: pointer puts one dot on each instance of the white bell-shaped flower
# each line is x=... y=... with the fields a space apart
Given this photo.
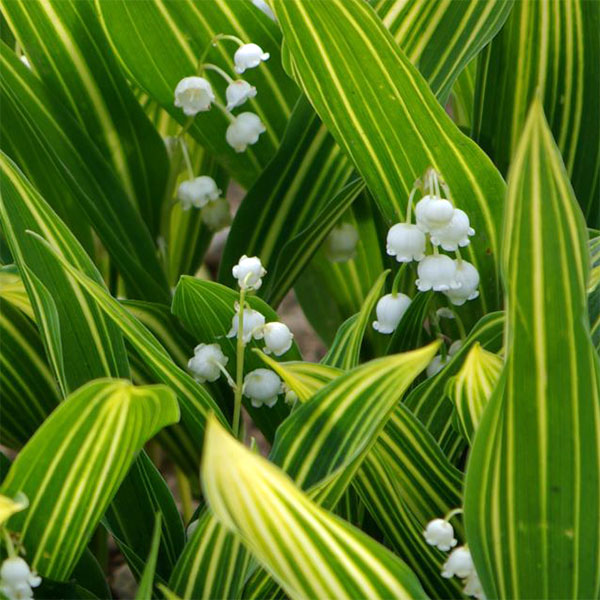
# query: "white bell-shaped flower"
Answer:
x=433 y=213
x=473 y=586
x=341 y=243
x=456 y=233
x=459 y=564
x=390 y=309
x=252 y=326
x=216 y=214
x=468 y=277
x=244 y=131
x=205 y=362
x=440 y=533
x=278 y=338
x=249 y=56
x=438 y=273
x=197 y=192
x=406 y=242
x=238 y=92
x=249 y=272
x=437 y=364
x=194 y=95
x=16 y=579
x=262 y=386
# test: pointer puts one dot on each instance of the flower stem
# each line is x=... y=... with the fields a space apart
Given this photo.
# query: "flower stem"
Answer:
x=9 y=543
x=397 y=278
x=410 y=202
x=239 y=366
x=453 y=513
x=186 y=157
x=223 y=74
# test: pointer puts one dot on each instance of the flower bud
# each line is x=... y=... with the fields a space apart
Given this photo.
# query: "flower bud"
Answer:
x=16 y=579
x=406 y=242
x=216 y=214
x=437 y=364
x=278 y=338
x=262 y=386
x=437 y=272
x=249 y=272
x=340 y=245
x=194 y=95
x=238 y=92
x=433 y=213
x=249 y=56
x=390 y=309
x=244 y=131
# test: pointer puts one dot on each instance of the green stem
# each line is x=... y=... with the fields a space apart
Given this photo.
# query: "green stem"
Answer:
x=397 y=278
x=186 y=157
x=185 y=128
x=10 y=548
x=239 y=366
x=410 y=206
x=453 y=513
x=218 y=70
x=460 y=325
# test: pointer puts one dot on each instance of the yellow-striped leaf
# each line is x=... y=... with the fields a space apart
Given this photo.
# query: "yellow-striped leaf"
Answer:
x=471 y=388
x=549 y=50
x=72 y=467
x=532 y=503
x=161 y=42
x=310 y=552
x=382 y=112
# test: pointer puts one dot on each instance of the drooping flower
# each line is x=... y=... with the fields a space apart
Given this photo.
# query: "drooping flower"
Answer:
x=438 y=273
x=459 y=563
x=278 y=338
x=249 y=56
x=262 y=5
x=194 y=95
x=433 y=213
x=262 y=386
x=473 y=586
x=216 y=214
x=390 y=309
x=249 y=272
x=455 y=233
x=341 y=242
x=440 y=533
x=467 y=276
x=244 y=131
x=406 y=242
x=197 y=192
x=205 y=362
x=16 y=579
x=238 y=92
x=252 y=325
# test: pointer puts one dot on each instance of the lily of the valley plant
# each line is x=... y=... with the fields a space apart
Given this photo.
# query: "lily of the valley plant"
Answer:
x=418 y=180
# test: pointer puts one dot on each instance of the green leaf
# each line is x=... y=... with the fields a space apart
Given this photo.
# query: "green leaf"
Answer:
x=29 y=391
x=410 y=331
x=534 y=525
x=547 y=51
x=594 y=292
x=254 y=498
x=144 y=591
x=68 y=50
x=344 y=353
x=73 y=465
x=391 y=142
x=161 y=42
x=207 y=309
x=309 y=168
x=196 y=403
x=471 y=388
x=80 y=342
x=66 y=167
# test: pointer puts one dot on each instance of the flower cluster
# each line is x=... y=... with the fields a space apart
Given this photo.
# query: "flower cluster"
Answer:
x=261 y=386
x=439 y=225
x=440 y=533
x=16 y=579
x=195 y=94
